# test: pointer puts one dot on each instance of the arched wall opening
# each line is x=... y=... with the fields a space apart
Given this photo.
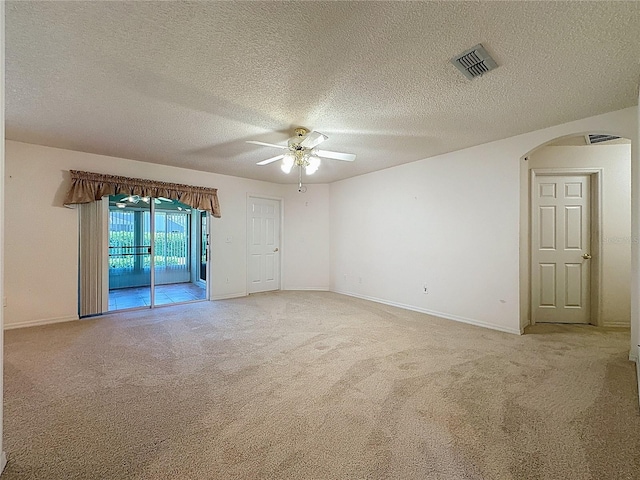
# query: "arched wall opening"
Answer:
x=618 y=295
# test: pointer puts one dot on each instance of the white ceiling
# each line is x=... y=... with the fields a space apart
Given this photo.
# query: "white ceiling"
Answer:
x=187 y=84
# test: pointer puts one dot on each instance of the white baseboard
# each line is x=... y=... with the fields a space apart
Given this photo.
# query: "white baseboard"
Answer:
x=447 y=316
x=37 y=323
x=3 y=461
x=637 y=360
x=228 y=296
x=617 y=325
x=634 y=356
x=307 y=289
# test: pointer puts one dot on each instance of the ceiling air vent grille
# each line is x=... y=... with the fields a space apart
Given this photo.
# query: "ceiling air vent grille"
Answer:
x=474 y=62
x=601 y=138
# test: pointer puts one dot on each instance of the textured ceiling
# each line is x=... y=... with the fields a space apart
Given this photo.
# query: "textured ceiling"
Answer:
x=187 y=84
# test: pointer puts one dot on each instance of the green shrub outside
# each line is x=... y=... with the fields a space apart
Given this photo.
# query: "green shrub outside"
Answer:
x=170 y=249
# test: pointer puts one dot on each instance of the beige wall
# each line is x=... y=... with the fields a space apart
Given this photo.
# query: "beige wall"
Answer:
x=42 y=235
x=306 y=233
x=456 y=222
x=442 y=223
x=635 y=245
x=615 y=161
x=3 y=459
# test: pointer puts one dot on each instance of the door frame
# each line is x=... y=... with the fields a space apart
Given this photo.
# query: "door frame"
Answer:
x=280 y=201
x=208 y=282
x=595 y=176
x=195 y=246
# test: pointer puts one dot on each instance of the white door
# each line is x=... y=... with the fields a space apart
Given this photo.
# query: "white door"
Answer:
x=264 y=244
x=561 y=242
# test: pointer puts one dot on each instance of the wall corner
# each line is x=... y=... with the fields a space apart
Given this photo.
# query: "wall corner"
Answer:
x=3 y=457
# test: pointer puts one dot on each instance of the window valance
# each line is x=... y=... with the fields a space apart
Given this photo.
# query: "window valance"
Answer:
x=88 y=187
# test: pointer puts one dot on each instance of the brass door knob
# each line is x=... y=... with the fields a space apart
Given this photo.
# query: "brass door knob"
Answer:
x=276 y=249
x=586 y=256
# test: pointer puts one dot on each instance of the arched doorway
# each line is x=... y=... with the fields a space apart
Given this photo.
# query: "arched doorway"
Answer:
x=598 y=280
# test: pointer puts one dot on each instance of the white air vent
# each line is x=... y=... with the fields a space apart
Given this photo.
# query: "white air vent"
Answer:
x=474 y=62
x=591 y=139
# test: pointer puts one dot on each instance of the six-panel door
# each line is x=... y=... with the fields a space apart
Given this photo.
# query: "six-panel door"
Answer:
x=264 y=244
x=561 y=237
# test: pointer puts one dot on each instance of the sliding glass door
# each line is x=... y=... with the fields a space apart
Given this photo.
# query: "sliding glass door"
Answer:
x=173 y=257
x=203 y=247
x=129 y=253
x=152 y=259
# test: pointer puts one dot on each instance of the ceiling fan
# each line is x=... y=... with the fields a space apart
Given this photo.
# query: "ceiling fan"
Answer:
x=300 y=151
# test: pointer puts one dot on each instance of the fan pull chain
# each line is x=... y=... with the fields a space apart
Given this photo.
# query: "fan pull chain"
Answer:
x=301 y=188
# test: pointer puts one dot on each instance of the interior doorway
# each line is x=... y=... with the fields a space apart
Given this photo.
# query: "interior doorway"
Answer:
x=157 y=252
x=564 y=239
x=596 y=289
x=263 y=238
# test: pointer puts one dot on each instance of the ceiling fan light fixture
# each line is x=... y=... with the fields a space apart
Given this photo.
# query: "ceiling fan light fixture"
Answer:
x=287 y=162
x=286 y=168
x=300 y=151
x=312 y=167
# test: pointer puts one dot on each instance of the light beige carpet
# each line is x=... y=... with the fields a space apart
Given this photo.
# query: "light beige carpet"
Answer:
x=309 y=385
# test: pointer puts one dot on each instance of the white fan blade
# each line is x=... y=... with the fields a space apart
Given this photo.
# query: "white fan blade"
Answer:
x=255 y=142
x=347 y=157
x=313 y=139
x=270 y=160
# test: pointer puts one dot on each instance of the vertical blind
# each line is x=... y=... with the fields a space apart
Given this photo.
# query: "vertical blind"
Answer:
x=90 y=295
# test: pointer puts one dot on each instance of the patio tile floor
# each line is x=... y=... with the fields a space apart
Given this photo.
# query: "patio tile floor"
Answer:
x=137 y=297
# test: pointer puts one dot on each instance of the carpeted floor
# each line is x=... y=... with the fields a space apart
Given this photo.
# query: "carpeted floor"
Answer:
x=314 y=385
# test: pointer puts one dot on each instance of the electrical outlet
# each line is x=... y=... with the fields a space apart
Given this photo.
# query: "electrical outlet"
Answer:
x=227 y=279
x=425 y=290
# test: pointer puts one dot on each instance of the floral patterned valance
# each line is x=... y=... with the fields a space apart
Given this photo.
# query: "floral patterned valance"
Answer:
x=88 y=187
